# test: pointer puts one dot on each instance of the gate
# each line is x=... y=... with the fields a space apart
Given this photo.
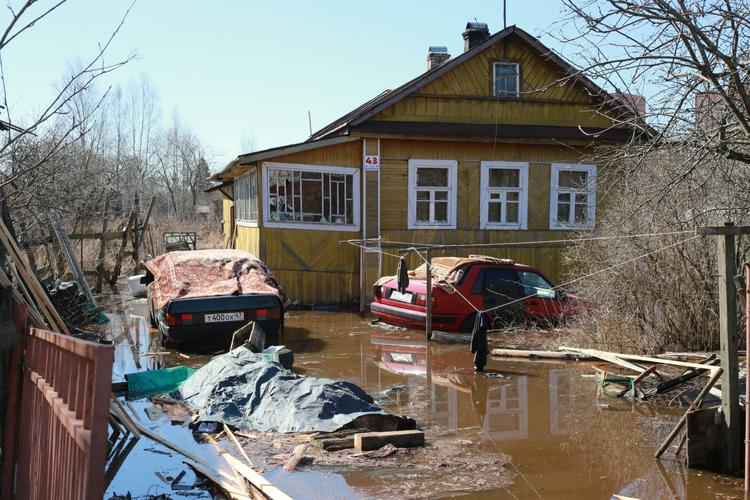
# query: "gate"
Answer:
x=62 y=422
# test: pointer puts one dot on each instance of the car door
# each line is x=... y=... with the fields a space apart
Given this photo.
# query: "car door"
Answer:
x=543 y=301
x=500 y=289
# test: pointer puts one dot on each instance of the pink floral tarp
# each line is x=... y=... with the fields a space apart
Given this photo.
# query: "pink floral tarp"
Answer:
x=207 y=273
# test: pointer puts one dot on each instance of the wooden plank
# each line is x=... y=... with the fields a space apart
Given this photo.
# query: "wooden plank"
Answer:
x=610 y=357
x=297 y=454
x=257 y=480
x=402 y=439
x=35 y=288
x=520 y=353
x=333 y=444
x=62 y=237
x=681 y=423
x=237 y=444
x=723 y=230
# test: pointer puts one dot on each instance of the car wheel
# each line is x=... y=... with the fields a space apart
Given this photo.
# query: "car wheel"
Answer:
x=468 y=324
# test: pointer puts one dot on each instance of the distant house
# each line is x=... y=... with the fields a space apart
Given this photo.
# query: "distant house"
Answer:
x=482 y=147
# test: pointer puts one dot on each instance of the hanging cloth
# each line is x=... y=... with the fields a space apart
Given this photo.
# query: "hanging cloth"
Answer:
x=402 y=275
x=479 y=342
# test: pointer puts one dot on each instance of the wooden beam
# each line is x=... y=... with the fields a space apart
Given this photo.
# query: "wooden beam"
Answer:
x=256 y=480
x=727 y=230
x=373 y=440
x=730 y=403
x=520 y=353
x=297 y=454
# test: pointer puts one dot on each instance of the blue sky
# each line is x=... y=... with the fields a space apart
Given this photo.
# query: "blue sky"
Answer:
x=245 y=73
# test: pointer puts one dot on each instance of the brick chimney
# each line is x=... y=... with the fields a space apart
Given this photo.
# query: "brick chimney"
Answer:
x=437 y=55
x=636 y=103
x=475 y=34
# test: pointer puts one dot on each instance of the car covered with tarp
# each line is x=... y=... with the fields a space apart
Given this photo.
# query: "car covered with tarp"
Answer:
x=204 y=296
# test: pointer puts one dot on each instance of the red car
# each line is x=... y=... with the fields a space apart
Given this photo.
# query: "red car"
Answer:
x=485 y=282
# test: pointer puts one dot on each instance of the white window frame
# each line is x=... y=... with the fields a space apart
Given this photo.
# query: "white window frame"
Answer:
x=239 y=221
x=494 y=78
x=555 y=190
x=356 y=200
x=452 y=166
x=484 y=197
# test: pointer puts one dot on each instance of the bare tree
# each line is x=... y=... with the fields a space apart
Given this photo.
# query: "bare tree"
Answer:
x=689 y=58
x=687 y=165
x=57 y=112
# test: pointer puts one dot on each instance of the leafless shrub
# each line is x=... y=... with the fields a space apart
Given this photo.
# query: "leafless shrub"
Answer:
x=668 y=299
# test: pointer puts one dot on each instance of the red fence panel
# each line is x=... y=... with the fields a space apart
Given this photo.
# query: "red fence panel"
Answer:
x=63 y=417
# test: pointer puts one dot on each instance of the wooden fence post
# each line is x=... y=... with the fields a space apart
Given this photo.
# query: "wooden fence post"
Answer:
x=730 y=402
x=124 y=242
x=102 y=246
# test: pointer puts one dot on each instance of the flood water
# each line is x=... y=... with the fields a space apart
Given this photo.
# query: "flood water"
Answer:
x=563 y=442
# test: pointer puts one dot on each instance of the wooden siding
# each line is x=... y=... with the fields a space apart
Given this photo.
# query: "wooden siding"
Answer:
x=465 y=94
x=226 y=217
x=312 y=266
x=394 y=175
x=394 y=199
x=248 y=239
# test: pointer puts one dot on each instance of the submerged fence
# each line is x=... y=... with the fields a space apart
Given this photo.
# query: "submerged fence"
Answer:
x=62 y=421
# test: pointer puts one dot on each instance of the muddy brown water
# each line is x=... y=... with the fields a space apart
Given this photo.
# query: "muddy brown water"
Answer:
x=562 y=440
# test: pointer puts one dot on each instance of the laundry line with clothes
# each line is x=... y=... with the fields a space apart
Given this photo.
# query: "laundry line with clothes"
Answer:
x=479 y=347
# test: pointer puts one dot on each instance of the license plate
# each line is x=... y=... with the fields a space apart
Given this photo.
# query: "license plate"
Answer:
x=401 y=297
x=223 y=317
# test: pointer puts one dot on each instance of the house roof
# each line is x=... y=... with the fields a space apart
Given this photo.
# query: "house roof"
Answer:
x=338 y=130
x=389 y=97
x=235 y=167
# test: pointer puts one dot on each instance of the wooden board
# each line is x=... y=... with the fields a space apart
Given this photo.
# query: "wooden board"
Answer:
x=401 y=439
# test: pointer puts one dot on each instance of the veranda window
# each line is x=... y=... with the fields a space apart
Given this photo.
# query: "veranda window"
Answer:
x=246 y=198
x=313 y=196
x=432 y=193
x=504 y=195
x=573 y=193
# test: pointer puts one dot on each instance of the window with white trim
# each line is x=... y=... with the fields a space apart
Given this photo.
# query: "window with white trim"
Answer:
x=504 y=195
x=506 y=79
x=311 y=196
x=572 y=196
x=246 y=197
x=432 y=194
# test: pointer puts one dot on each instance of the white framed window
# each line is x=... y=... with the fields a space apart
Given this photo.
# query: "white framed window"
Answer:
x=504 y=195
x=297 y=196
x=572 y=196
x=432 y=194
x=506 y=78
x=246 y=199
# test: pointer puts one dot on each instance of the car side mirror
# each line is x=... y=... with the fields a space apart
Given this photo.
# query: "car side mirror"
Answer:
x=560 y=295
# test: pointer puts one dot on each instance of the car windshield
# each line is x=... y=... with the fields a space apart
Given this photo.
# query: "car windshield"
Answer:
x=535 y=285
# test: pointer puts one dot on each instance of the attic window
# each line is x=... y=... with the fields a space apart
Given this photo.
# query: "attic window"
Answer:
x=506 y=79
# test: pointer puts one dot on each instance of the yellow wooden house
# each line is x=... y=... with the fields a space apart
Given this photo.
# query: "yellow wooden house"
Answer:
x=483 y=147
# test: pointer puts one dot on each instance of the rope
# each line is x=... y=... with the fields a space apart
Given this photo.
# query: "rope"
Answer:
x=556 y=287
x=411 y=245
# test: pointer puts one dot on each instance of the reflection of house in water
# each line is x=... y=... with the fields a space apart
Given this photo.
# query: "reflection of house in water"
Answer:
x=507 y=412
x=545 y=416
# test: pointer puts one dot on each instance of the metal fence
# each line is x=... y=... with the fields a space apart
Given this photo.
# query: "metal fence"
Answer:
x=62 y=423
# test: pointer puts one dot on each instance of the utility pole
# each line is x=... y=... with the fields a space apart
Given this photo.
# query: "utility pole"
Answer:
x=732 y=442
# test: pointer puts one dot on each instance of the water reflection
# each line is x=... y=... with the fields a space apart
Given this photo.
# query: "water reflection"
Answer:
x=564 y=442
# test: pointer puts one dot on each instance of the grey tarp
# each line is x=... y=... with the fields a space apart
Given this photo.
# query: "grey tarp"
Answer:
x=246 y=391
